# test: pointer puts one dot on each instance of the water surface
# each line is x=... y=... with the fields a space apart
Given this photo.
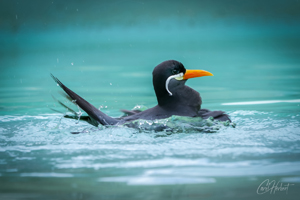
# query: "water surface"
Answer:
x=255 y=61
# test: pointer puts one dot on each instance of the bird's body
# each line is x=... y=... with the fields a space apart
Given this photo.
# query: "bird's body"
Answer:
x=173 y=97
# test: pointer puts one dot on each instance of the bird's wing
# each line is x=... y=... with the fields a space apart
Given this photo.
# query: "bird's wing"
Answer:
x=91 y=110
x=130 y=112
x=217 y=115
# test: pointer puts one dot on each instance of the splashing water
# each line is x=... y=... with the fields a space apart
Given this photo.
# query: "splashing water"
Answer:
x=179 y=124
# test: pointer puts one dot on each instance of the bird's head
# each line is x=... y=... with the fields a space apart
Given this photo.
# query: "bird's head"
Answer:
x=170 y=75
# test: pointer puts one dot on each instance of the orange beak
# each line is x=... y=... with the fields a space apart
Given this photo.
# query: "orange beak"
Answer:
x=195 y=73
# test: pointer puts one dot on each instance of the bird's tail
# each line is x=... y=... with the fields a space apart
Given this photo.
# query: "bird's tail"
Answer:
x=91 y=110
x=74 y=115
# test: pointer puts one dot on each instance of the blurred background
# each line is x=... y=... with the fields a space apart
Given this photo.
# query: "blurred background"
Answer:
x=106 y=50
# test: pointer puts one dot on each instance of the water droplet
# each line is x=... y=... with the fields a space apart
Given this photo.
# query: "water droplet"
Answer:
x=72 y=63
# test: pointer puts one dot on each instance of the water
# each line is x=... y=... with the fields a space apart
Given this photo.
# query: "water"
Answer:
x=253 y=54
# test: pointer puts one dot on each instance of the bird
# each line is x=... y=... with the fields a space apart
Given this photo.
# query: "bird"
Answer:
x=173 y=98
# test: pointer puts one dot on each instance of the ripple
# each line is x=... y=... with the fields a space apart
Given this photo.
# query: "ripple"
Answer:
x=291 y=179
x=262 y=143
x=50 y=174
x=162 y=180
x=261 y=102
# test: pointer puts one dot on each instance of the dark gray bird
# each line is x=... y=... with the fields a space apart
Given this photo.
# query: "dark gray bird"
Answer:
x=173 y=97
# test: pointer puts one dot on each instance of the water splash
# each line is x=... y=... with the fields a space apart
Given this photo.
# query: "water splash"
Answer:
x=179 y=124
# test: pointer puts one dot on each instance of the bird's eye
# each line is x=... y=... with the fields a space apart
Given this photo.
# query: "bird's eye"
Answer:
x=175 y=71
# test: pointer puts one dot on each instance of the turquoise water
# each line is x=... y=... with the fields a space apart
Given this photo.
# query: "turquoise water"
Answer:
x=106 y=55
